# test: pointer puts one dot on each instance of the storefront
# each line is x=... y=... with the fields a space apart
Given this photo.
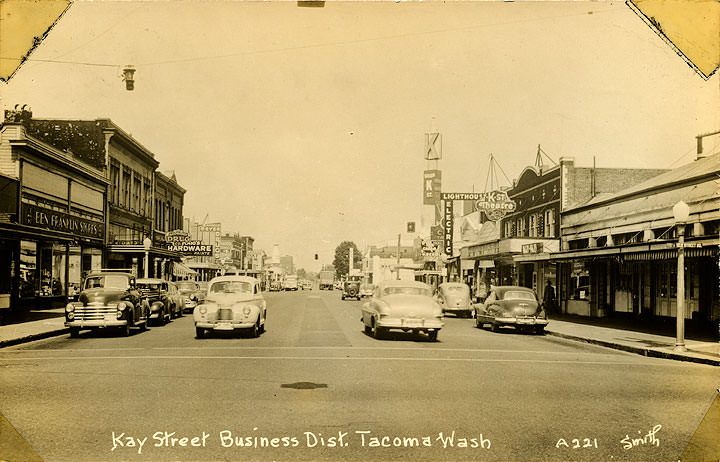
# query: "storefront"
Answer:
x=52 y=226
x=620 y=254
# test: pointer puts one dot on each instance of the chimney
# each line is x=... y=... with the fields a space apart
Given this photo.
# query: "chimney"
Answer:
x=700 y=153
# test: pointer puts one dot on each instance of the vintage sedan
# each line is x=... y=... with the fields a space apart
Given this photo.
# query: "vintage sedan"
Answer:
x=233 y=303
x=191 y=293
x=109 y=299
x=351 y=289
x=454 y=297
x=164 y=303
x=366 y=290
x=407 y=306
x=512 y=306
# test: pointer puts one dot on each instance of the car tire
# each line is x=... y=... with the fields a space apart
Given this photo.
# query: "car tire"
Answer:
x=493 y=327
x=74 y=332
x=368 y=329
x=540 y=330
x=255 y=329
x=125 y=330
x=432 y=336
x=378 y=332
x=478 y=324
x=199 y=333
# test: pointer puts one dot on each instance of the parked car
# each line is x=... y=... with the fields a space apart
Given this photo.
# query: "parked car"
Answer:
x=512 y=306
x=407 y=306
x=164 y=305
x=192 y=294
x=306 y=284
x=366 y=290
x=233 y=303
x=454 y=297
x=351 y=289
x=109 y=299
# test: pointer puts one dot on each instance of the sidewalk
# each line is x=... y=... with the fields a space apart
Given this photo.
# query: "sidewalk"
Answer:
x=40 y=324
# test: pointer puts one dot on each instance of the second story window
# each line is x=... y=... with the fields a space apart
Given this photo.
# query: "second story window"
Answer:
x=549 y=223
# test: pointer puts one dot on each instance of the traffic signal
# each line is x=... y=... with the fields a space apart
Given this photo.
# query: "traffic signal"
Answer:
x=411 y=227
x=316 y=256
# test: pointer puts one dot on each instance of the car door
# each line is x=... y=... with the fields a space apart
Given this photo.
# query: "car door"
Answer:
x=368 y=308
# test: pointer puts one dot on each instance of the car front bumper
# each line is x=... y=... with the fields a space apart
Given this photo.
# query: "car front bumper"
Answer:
x=96 y=323
x=458 y=309
x=227 y=325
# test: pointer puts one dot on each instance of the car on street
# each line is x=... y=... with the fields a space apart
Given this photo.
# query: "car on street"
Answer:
x=191 y=293
x=291 y=282
x=306 y=284
x=512 y=306
x=164 y=304
x=407 y=306
x=351 y=289
x=109 y=299
x=366 y=290
x=454 y=298
x=233 y=303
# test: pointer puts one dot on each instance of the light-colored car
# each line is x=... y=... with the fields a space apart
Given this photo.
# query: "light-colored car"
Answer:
x=454 y=297
x=406 y=306
x=232 y=303
x=513 y=306
x=366 y=290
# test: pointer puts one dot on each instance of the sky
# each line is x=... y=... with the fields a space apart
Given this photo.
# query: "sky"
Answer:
x=305 y=127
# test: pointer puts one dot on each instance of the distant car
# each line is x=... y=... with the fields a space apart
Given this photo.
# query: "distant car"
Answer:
x=366 y=290
x=164 y=305
x=233 y=303
x=306 y=284
x=407 y=306
x=454 y=297
x=109 y=299
x=291 y=282
x=351 y=289
x=192 y=294
x=275 y=286
x=512 y=306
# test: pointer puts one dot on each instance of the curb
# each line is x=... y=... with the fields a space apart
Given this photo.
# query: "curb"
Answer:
x=649 y=352
x=33 y=337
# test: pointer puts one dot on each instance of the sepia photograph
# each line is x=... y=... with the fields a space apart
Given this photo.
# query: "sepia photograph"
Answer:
x=359 y=231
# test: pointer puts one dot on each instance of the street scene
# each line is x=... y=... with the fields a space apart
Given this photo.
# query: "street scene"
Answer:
x=279 y=231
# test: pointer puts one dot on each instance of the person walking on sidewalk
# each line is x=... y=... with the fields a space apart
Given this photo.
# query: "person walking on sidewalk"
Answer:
x=549 y=297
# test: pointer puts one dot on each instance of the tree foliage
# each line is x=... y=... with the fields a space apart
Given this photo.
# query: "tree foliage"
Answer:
x=342 y=258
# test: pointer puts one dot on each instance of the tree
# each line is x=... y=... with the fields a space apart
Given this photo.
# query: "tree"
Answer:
x=342 y=258
x=301 y=273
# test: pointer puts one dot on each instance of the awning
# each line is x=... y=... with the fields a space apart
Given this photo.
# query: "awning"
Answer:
x=182 y=271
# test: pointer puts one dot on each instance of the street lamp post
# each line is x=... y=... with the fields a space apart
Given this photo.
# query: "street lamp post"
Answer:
x=147 y=244
x=681 y=212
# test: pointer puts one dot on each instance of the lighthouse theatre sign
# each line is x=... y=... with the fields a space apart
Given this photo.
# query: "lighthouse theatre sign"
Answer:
x=494 y=204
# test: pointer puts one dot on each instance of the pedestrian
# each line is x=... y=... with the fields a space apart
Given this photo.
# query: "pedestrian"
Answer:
x=549 y=297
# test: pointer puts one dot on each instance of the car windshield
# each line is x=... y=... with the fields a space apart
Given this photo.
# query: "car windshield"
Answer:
x=406 y=291
x=148 y=285
x=518 y=295
x=112 y=281
x=231 y=287
x=186 y=286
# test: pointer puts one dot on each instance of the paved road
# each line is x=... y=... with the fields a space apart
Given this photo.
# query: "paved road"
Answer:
x=318 y=388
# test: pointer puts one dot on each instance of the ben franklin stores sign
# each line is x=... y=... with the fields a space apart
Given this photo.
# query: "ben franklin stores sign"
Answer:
x=40 y=217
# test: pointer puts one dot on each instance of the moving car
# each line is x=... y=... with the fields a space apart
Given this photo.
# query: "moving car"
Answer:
x=291 y=282
x=454 y=297
x=351 y=289
x=326 y=278
x=513 y=306
x=366 y=290
x=164 y=303
x=233 y=303
x=191 y=293
x=109 y=299
x=407 y=306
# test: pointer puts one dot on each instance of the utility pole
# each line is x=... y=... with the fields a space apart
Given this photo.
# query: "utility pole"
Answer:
x=397 y=276
x=351 y=262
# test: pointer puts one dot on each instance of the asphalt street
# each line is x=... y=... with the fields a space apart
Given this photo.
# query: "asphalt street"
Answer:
x=314 y=386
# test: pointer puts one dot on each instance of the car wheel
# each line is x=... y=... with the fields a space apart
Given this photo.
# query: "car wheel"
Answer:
x=199 y=332
x=342 y=297
x=74 y=332
x=432 y=336
x=493 y=327
x=255 y=329
x=368 y=329
x=478 y=324
x=540 y=330
x=378 y=332
x=144 y=325
x=125 y=330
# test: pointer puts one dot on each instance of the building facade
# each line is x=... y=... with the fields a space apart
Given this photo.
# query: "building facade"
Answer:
x=619 y=252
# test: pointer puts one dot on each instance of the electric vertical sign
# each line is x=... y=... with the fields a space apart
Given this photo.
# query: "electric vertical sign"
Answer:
x=447 y=223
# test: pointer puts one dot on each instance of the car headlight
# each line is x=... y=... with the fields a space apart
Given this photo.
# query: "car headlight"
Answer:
x=70 y=315
x=246 y=310
x=121 y=306
x=202 y=309
x=69 y=308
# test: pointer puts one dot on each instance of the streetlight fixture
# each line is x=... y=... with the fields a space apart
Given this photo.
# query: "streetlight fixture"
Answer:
x=681 y=213
x=147 y=244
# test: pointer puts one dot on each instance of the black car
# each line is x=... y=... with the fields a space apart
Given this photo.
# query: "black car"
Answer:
x=351 y=289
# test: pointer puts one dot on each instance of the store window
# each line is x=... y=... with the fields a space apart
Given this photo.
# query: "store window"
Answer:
x=29 y=284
